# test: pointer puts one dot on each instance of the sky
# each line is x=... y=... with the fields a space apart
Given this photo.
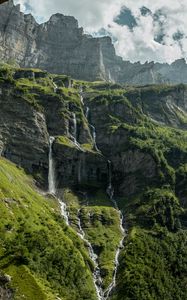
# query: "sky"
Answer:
x=142 y=30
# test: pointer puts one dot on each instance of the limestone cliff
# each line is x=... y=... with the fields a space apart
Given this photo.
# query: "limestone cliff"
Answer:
x=60 y=46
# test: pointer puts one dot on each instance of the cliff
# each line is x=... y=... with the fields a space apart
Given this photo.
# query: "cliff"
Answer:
x=60 y=46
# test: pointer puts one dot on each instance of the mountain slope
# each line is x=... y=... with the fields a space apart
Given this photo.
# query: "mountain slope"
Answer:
x=38 y=251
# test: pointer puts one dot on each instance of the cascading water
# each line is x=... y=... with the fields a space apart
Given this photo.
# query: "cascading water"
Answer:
x=51 y=173
x=96 y=274
x=52 y=181
x=73 y=136
x=74 y=126
x=87 y=112
x=90 y=125
x=110 y=192
x=81 y=95
x=70 y=84
x=55 y=87
x=94 y=137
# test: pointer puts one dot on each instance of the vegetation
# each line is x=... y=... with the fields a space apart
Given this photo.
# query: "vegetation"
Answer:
x=29 y=247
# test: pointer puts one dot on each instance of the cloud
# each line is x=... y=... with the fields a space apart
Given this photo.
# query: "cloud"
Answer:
x=92 y=15
x=160 y=33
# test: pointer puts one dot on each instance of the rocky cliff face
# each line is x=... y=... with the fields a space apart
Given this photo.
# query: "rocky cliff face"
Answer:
x=60 y=46
x=32 y=109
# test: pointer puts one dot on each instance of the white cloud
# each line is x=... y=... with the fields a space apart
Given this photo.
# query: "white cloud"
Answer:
x=90 y=14
x=135 y=45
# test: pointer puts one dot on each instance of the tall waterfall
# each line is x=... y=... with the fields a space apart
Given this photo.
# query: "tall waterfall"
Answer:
x=51 y=173
x=87 y=112
x=74 y=126
x=55 y=87
x=94 y=137
x=110 y=189
x=73 y=135
x=81 y=95
x=52 y=181
x=110 y=192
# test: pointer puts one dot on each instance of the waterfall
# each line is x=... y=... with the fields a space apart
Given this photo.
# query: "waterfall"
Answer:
x=116 y=262
x=51 y=174
x=94 y=137
x=96 y=273
x=52 y=181
x=87 y=112
x=110 y=77
x=110 y=190
x=73 y=136
x=55 y=87
x=110 y=193
x=81 y=95
x=74 y=126
x=69 y=84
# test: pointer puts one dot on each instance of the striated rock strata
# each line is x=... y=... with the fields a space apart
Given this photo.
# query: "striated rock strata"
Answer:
x=60 y=46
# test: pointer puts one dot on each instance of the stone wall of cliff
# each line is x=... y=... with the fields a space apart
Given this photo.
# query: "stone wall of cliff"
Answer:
x=60 y=46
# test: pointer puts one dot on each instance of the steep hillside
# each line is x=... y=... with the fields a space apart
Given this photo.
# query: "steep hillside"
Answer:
x=37 y=249
x=114 y=148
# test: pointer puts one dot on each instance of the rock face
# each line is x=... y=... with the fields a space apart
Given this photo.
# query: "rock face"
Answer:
x=58 y=45
x=61 y=47
x=27 y=123
x=22 y=127
x=32 y=110
x=6 y=293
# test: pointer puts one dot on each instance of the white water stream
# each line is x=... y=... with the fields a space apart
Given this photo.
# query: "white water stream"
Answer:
x=55 y=87
x=73 y=136
x=94 y=137
x=52 y=181
x=93 y=130
x=81 y=95
x=110 y=192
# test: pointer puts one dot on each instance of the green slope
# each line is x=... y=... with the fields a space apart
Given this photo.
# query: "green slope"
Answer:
x=39 y=252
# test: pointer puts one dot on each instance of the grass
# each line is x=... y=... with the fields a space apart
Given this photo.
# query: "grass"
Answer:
x=29 y=226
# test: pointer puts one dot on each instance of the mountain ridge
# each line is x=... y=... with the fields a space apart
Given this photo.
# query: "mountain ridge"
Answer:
x=60 y=46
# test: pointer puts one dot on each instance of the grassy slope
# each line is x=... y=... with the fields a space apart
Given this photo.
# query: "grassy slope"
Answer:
x=37 y=249
x=153 y=264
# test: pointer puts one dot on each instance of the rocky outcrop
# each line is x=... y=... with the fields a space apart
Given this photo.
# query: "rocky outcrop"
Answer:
x=22 y=127
x=61 y=47
x=166 y=106
x=6 y=293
